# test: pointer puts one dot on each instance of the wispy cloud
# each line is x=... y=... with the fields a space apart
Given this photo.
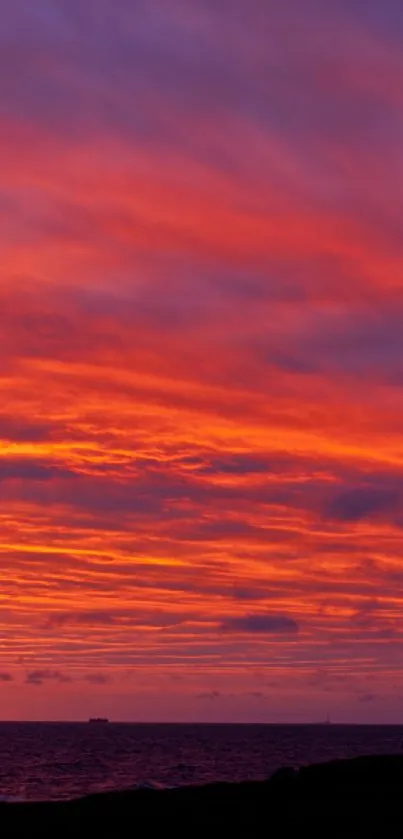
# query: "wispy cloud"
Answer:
x=201 y=321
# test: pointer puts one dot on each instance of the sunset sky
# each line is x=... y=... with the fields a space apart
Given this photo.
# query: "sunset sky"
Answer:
x=201 y=365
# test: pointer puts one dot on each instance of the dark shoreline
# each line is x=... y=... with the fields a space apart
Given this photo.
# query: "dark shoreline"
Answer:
x=345 y=798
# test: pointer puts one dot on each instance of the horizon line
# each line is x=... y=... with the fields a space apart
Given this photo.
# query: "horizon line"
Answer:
x=111 y=722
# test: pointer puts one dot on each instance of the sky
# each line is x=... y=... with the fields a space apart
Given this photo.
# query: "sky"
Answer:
x=201 y=360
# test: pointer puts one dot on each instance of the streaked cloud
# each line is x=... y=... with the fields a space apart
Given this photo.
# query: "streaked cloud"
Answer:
x=201 y=320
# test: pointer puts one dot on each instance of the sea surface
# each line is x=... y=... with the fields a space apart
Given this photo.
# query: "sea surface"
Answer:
x=44 y=761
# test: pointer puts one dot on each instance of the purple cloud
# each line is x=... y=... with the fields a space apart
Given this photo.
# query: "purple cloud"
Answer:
x=21 y=431
x=265 y=624
x=38 y=677
x=98 y=678
x=364 y=502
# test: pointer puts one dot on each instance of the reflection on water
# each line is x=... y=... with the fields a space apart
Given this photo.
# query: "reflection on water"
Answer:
x=51 y=761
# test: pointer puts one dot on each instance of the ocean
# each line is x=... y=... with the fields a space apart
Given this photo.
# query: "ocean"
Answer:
x=52 y=761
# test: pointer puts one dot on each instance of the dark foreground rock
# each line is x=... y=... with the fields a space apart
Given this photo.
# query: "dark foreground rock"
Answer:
x=355 y=798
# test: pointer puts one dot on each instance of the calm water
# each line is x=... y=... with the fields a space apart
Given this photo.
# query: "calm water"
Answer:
x=51 y=761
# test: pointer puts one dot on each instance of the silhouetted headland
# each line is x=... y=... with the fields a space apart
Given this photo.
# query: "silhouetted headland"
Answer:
x=348 y=798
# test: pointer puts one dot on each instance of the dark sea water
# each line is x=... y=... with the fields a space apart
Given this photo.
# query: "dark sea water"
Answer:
x=42 y=761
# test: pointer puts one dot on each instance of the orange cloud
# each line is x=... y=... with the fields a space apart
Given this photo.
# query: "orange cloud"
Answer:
x=201 y=457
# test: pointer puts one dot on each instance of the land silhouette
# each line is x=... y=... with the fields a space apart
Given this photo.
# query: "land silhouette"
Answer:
x=349 y=798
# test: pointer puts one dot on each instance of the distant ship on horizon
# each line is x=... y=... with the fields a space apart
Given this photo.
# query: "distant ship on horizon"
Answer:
x=98 y=720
